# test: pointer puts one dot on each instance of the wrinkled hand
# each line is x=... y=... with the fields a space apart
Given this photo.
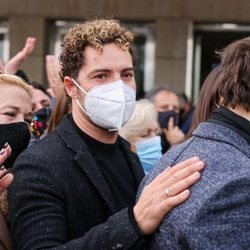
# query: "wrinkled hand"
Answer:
x=173 y=134
x=166 y=191
x=5 y=177
x=15 y=62
x=53 y=70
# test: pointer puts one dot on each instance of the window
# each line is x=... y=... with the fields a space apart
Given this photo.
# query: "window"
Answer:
x=203 y=41
x=4 y=42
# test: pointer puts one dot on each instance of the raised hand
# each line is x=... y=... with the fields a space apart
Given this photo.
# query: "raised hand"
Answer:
x=5 y=177
x=15 y=62
x=173 y=133
x=53 y=69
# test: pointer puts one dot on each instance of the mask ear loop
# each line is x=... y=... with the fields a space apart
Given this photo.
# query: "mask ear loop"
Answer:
x=77 y=101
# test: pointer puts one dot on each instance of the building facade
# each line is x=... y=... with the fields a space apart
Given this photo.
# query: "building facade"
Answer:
x=176 y=38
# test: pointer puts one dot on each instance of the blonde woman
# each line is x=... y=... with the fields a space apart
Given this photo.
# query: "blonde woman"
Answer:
x=15 y=111
x=142 y=132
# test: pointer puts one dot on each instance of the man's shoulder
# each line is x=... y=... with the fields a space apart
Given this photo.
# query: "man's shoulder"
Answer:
x=47 y=144
x=55 y=142
x=219 y=201
x=219 y=133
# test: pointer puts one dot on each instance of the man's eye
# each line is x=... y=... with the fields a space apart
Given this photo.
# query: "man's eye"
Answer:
x=128 y=75
x=101 y=76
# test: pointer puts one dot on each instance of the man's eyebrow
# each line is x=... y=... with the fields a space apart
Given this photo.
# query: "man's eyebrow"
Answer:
x=108 y=70
x=129 y=69
x=98 y=71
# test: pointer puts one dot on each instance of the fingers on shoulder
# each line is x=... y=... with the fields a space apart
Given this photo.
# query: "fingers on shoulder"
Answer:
x=175 y=200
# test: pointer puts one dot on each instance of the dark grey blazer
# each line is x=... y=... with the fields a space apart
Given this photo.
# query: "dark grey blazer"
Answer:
x=59 y=198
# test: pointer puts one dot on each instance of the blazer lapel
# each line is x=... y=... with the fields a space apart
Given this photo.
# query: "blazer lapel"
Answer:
x=133 y=161
x=88 y=164
x=85 y=160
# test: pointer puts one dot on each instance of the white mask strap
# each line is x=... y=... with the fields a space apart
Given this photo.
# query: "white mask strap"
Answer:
x=81 y=107
x=86 y=93
x=77 y=101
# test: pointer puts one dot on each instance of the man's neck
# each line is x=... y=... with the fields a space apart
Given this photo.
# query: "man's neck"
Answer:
x=241 y=112
x=92 y=130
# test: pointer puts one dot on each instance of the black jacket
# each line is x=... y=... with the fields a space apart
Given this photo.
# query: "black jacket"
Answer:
x=59 y=198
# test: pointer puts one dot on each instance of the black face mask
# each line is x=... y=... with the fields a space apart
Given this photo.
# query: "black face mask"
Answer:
x=18 y=136
x=163 y=118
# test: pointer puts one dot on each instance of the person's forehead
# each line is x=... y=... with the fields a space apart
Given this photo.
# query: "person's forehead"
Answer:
x=166 y=97
x=110 y=55
x=16 y=96
x=38 y=94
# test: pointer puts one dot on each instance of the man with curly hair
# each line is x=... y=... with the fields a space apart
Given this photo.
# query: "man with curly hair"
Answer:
x=76 y=188
x=217 y=216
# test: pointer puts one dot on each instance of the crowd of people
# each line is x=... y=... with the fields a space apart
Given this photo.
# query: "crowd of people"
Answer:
x=86 y=166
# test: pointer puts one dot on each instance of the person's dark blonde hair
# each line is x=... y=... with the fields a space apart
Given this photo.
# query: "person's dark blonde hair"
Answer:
x=234 y=82
x=93 y=33
x=207 y=101
x=62 y=107
x=15 y=81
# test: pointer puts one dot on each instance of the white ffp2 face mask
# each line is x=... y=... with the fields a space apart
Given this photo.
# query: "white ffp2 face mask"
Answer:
x=108 y=105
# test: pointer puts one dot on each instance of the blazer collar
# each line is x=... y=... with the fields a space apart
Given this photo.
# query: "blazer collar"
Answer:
x=87 y=163
x=133 y=161
x=221 y=133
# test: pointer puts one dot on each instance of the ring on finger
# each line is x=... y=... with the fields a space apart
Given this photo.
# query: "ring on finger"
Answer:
x=167 y=192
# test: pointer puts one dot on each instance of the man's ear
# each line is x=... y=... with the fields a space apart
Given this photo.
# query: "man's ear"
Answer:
x=70 y=87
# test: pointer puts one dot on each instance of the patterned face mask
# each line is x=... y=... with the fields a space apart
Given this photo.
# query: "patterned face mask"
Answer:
x=39 y=122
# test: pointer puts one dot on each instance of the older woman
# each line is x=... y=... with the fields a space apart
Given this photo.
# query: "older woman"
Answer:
x=142 y=132
x=15 y=111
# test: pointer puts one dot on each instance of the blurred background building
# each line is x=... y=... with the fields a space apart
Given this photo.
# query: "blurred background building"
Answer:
x=176 y=39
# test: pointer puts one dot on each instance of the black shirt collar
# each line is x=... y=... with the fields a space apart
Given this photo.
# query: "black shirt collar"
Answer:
x=93 y=144
x=233 y=121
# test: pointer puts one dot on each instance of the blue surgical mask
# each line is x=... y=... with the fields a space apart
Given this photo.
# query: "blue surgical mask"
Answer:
x=149 y=152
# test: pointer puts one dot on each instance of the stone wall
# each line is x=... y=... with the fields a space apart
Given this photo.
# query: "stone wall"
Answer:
x=29 y=18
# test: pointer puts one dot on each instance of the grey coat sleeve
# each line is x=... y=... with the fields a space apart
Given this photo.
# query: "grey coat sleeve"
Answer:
x=222 y=222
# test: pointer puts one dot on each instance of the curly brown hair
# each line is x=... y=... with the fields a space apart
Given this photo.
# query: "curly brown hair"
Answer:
x=234 y=82
x=94 y=33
